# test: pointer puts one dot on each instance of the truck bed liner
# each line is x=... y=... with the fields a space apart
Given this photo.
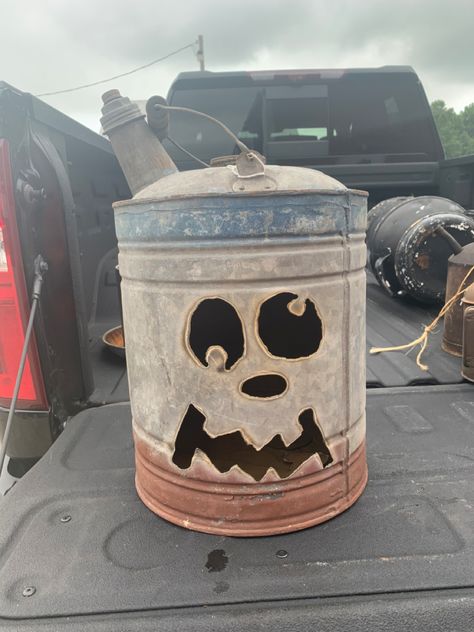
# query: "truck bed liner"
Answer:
x=74 y=529
x=396 y=321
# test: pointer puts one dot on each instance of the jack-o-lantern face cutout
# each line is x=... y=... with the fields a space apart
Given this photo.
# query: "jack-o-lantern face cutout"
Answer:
x=286 y=328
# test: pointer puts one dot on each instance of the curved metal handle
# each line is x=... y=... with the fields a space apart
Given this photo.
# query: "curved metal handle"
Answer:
x=248 y=165
x=174 y=108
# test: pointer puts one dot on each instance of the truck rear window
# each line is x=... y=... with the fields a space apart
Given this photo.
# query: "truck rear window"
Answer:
x=239 y=108
x=382 y=116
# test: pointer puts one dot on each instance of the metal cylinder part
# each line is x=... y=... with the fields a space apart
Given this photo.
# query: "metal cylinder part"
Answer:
x=458 y=266
x=468 y=335
x=407 y=253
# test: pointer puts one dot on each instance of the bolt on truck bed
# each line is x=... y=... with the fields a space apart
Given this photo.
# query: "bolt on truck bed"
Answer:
x=79 y=551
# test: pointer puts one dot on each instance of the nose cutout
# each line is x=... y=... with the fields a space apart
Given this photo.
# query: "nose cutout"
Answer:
x=266 y=386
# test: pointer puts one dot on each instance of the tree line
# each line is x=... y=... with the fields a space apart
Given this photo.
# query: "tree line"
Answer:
x=455 y=129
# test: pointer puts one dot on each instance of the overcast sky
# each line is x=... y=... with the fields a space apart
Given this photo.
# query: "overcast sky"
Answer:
x=48 y=45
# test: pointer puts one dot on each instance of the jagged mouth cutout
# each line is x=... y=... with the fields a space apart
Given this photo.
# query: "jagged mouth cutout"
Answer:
x=227 y=450
x=288 y=328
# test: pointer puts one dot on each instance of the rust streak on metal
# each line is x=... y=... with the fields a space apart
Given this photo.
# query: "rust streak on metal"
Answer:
x=458 y=266
x=468 y=334
x=423 y=261
x=307 y=498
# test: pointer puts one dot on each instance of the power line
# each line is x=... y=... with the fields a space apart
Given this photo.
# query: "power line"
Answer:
x=123 y=74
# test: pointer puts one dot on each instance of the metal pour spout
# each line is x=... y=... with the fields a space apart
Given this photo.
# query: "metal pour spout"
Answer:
x=139 y=152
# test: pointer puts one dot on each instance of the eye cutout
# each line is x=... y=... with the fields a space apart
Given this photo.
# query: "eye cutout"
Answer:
x=214 y=323
x=288 y=327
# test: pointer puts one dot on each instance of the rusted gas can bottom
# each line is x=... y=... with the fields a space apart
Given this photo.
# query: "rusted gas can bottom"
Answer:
x=451 y=347
x=246 y=510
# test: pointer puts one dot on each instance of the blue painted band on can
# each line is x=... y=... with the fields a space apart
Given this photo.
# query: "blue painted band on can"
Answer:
x=240 y=217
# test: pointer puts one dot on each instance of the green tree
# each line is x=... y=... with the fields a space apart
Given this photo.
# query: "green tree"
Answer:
x=467 y=116
x=455 y=129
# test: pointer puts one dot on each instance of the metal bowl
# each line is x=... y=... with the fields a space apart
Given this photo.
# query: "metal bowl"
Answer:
x=114 y=339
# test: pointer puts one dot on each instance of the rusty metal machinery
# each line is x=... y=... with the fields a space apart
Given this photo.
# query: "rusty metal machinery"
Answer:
x=408 y=254
x=243 y=292
x=468 y=334
x=459 y=266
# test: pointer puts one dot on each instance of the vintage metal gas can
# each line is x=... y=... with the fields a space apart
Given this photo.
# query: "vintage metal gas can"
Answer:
x=244 y=310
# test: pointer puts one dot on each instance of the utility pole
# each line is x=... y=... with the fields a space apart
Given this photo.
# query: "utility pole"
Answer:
x=200 y=52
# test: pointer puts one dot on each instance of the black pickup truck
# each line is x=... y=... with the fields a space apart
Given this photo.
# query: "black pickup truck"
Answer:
x=78 y=550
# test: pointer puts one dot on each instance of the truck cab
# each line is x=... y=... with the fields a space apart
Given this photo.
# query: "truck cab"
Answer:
x=372 y=129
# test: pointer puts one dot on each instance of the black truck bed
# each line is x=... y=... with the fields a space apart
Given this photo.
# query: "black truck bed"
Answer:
x=74 y=533
x=401 y=559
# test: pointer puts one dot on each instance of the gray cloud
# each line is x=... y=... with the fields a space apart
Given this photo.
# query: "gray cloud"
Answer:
x=52 y=44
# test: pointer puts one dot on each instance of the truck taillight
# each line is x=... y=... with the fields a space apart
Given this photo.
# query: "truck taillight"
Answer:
x=14 y=304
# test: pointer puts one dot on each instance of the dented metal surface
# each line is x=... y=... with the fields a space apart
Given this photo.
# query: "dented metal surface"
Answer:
x=407 y=253
x=244 y=314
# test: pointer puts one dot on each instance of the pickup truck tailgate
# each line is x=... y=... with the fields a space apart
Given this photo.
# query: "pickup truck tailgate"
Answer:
x=74 y=533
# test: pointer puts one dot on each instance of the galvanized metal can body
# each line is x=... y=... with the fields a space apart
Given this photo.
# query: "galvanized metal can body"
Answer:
x=406 y=253
x=244 y=317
